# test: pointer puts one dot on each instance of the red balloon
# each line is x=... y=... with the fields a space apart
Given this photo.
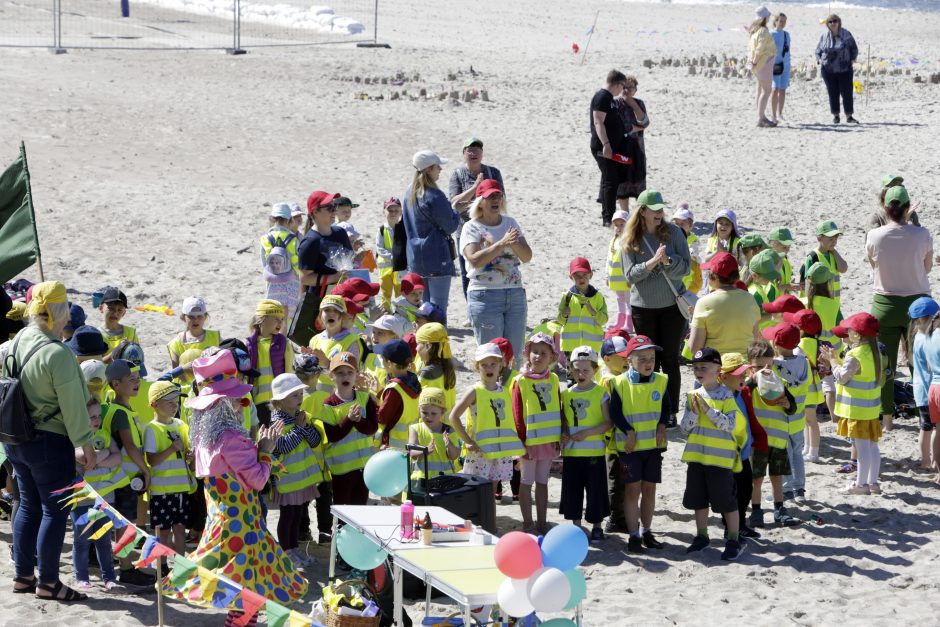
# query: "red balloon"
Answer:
x=575 y=48
x=517 y=555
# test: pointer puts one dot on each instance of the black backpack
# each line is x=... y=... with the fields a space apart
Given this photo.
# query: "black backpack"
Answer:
x=16 y=425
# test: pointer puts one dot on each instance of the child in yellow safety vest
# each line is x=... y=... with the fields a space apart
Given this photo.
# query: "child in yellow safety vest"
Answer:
x=827 y=236
x=299 y=450
x=489 y=434
x=308 y=369
x=170 y=456
x=337 y=336
x=389 y=279
x=270 y=354
x=716 y=434
x=810 y=326
x=613 y=352
x=195 y=335
x=639 y=409
x=105 y=477
x=582 y=311
x=773 y=404
x=724 y=238
x=536 y=410
x=818 y=284
x=412 y=295
x=616 y=279
x=387 y=328
x=431 y=432
x=858 y=396
x=280 y=261
x=685 y=220
x=780 y=240
x=585 y=421
x=763 y=281
x=438 y=366
x=112 y=303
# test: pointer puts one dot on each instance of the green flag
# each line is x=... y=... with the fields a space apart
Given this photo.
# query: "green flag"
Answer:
x=19 y=244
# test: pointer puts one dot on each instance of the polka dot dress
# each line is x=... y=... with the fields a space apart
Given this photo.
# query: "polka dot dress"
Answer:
x=236 y=544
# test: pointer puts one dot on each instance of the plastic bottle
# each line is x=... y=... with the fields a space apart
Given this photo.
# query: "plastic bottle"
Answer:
x=407 y=520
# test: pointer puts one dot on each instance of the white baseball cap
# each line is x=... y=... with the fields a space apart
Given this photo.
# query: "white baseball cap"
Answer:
x=682 y=212
x=194 y=306
x=392 y=323
x=584 y=353
x=424 y=159
x=94 y=371
x=487 y=350
x=295 y=210
x=280 y=210
x=620 y=214
x=285 y=384
x=762 y=12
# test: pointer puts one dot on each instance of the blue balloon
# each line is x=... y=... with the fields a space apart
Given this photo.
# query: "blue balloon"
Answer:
x=357 y=550
x=386 y=473
x=578 y=588
x=559 y=622
x=564 y=547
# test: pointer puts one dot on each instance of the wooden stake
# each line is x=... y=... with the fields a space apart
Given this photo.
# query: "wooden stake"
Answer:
x=868 y=79
x=590 y=35
x=159 y=595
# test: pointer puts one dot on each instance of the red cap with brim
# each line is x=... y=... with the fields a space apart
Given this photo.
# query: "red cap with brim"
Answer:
x=318 y=199
x=579 y=264
x=783 y=335
x=788 y=303
x=807 y=320
x=722 y=264
x=864 y=324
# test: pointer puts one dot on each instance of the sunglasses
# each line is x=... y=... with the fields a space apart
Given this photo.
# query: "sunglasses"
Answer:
x=330 y=208
x=832 y=22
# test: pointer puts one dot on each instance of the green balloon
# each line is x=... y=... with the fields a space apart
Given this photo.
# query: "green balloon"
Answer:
x=357 y=550
x=578 y=588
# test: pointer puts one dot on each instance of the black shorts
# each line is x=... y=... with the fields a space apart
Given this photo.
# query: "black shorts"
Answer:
x=167 y=510
x=710 y=486
x=642 y=466
x=925 y=423
x=125 y=502
x=774 y=462
x=582 y=476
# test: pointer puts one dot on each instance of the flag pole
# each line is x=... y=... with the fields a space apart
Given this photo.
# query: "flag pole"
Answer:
x=32 y=212
x=159 y=590
x=590 y=35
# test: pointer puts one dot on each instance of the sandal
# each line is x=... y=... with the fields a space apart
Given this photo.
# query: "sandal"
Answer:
x=55 y=593
x=29 y=583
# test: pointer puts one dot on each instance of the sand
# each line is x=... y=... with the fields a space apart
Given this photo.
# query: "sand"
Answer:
x=155 y=172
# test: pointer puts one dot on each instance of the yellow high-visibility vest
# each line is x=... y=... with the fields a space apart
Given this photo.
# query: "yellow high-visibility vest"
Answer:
x=493 y=428
x=353 y=451
x=583 y=410
x=172 y=476
x=541 y=408
x=438 y=461
x=642 y=406
x=860 y=397
x=709 y=445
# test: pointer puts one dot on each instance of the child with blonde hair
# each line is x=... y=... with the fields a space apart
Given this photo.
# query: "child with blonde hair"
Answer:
x=270 y=353
x=195 y=335
x=616 y=279
x=280 y=260
x=923 y=313
x=438 y=367
x=337 y=335
x=431 y=432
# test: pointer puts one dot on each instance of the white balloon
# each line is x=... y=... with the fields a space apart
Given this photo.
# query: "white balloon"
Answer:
x=513 y=599
x=548 y=590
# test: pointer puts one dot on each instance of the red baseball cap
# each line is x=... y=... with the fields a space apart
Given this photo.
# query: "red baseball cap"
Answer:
x=864 y=324
x=352 y=307
x=788 y=303
x=806 y=319
x=579 y=264
x=391 y=202
x=412 y=343
x=505 y=347
x=318 y=199
x=489 y=187
x=722 y=264
x=784 y=335
x=639 y=343
x=356 y=289
x=411 y=282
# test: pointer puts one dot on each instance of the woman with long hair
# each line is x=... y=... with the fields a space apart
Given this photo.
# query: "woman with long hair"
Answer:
x=761 y=53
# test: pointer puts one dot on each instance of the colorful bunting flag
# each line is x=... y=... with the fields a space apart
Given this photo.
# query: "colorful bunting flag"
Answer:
x=183 y=569
x=158 y=551
x=299 y=620
x=251 y=603
x=225 y=593
x=127 y=541
x=278 y=615
x=105 y=528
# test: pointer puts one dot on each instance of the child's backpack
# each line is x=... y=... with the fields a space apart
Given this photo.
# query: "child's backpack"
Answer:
x=278 y=261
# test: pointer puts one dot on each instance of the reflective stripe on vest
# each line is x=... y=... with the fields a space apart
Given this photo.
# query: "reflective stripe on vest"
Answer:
x=835 y=284
x=581 y=328
x=616 y=280
x=773 y=419
x=641 y=404
x=105 y=480
x=176 y=347
x=493 y=426
x=398 y=438
x=450 y=394
x=353 y=451
x=541 y=408
x=860 y=397
x=384 y=265
x=128 y=333
x=171 y=476
x=786 y=270
x=438 y=461
x=261 y=392
x=302 y=467
x=583 y=409
x=107 y=415
x=709 y=445
x=330 y=347
x=376 y=367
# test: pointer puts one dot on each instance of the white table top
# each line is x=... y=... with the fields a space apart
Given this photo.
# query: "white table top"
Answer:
x=364 y=516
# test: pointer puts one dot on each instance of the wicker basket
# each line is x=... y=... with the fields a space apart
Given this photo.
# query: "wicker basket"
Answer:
x=338 y=620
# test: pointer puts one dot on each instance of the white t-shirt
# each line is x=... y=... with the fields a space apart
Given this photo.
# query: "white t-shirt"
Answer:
x=897 y=253
x=502 y=272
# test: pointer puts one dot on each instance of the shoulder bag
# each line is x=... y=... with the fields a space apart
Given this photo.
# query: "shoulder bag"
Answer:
x=683 y=302
x=778 y=67
x=16 y=425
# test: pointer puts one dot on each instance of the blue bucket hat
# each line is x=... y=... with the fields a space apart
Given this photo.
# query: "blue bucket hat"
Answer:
x=923 y=307
x=87 y=341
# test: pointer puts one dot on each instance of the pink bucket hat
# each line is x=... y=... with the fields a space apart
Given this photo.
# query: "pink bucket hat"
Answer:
x=216 y=377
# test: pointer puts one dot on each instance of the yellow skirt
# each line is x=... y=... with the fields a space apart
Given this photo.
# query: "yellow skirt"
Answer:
x=860 y=429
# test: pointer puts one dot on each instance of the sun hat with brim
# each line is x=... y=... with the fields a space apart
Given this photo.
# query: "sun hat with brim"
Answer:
x=614 y=345
x=118 y=369
x=87 y=341
x=339 y=201
x=472 y=141
x=318 y=199
x=395 y=351
x=828 y=228
x=584 y=353
x=752 y=241
x=890 y=180
x=620 y=214
x=163 y=390
x=682 y=213
x=132 y=352
x=392 y=323
x=333 y=302
x=281 y=210
x=734 y=364
x=707 y=355
x=538 y=338
x=819 y=273
x=651 y=199
x=286 y=384
x=77 y=317
x=764 y=264
x=761 y=12
x=923 y=307
x=194 y=306
x=488 y=187
x=344 y=359
x=306 y=365
x=93 y=371
x=730 y=215
x=862 y=323
x=217 y=378
x=897 y=193
x=485 y=351
x=781 y=235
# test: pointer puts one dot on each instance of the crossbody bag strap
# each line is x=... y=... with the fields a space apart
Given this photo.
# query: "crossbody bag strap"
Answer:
x=431 y=220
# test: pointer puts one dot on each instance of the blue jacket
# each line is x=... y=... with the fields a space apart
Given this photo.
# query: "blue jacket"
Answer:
x=427 y=250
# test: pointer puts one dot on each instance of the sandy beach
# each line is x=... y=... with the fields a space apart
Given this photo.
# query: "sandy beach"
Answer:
x=156 y=171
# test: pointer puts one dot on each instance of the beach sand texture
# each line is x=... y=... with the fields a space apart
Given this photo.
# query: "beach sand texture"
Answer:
x=155 y=172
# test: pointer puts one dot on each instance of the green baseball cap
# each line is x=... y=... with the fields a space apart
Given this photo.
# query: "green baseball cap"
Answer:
x=827 y=228
x=472 y=141
x=819 y=273
x=651 y=199
x=764 y=264
x=890 y=180
x=752 y=241
x=782 y=235
x=898 y=193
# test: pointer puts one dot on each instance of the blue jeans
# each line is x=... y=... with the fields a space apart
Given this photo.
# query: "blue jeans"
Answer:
x=80 y=543
x=41 y=466
x=438 y=292
x=796 y=480
x=498 y=313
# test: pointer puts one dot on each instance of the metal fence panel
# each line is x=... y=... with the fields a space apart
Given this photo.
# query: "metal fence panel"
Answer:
x=27 y=23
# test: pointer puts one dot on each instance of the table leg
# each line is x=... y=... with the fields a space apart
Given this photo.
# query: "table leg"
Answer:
x=398 y=597
x=466 y=616
x=427 y=597
x=577 y=616
x=333 y=550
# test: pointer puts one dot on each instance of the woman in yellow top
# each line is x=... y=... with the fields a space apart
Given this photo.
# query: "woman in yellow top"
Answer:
x=761 y=53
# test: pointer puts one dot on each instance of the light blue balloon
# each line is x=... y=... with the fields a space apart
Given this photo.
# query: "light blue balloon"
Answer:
x=578 y=588
x=357 y=550
x=386 y=473
x=559 y=622
x=564 y=547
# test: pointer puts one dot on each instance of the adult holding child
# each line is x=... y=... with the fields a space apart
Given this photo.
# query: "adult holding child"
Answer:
x=835 y=53
x=494 y=248
x=56 y=398
x=430 y=221
x=901 y=256
x=761 y=53
x=655 y=261
x=463 y=185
